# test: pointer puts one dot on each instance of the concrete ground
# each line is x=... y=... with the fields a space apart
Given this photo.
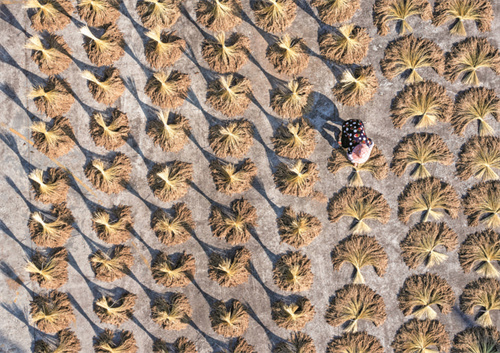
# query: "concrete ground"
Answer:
x=17 y=75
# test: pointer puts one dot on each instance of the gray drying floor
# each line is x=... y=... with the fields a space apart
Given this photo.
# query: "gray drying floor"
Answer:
x=17 y=75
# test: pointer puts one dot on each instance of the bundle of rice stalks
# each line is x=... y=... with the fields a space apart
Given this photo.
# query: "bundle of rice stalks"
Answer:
x=232 y=178
x=176 y=270
x=181 y=345
x=297 y=179
x=230 y=94
x=170 y=132
x=171 y=181
x=405 y=55
x=424 y=102
x=428 y=196
x=292 y=272
x=295 y=140
x=289 y=55
x=417 y=150
x=52 y=58
x=110 y=177
x=423 y=243
x=115 y=312
x=241 y=346
x=293 y=315
x=477 y=103
x=54 y=141
x=335 y=11
x=110 y=132
x=98 y=13
x=168 y=90
x=353 y=303
x=106 y=49
x=482 y=204
x=274 y=15
x=51 y=231
x=468 y=56
x=359 y=342
x=477 y=339
x=229 y=319
x=479 y=252
x=172 y=313
x=347 y=46
x=235 y=227
x=421 y=336
x=66 y=342
x=55 y=99
x=385 y=11
x=49 y=15
x=113 y=227
x=356 y=87
x=158 y=13
x=231 y=138
x=299 y=342
x=360 y=251
x=479 y=11
x=111 y=265
x=173 y=229
x=298 y=229
x=226 y=55
x=163 y=48
x=376 y=165
x=49 y=270
x=51 y=312
x=231 y=269
x=294 y=100
x=484 y=294
x=123 y=343
x=106 y=89
x=51 y=187
x=421 y=292
x=361 y=203
x=219 y=15
x=479 y=158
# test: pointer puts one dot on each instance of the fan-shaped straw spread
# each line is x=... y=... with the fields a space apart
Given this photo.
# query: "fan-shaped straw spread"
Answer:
x=348 y=45
x=428 y=196
x=229 y=319
x=176 y=270
x=158 y=13
x=113 y=227
x=105 y=89
x=294 y=100
x=231 y=138
x=274 y=15
x=359 y=342
x=424 y=102
x=175 y=227
x=479 y=252
x=361 y=203
x=385 y=11
x=171 y=181
x=115 y=312
x=219 y=15
x=295 y=140
x=163 y=48
x=109 y=177
x=477 y=339
x=376 y=165
x=168 y=90
x=52 y=58
x=55 y=141
x=484 y=294
x=49 y=270
x=98 y=13
x=405 y=55
x=170 y=131
x=423 y=243
x=235 y=227
x=230 y=269
x=51 y=312
x=113 y=264
x=292 y=272
x=297 y=179
x=289 y=55
x=479 y=11
x=51 y=186
x=230 y=94
x=67 y=342
x=110 y=132
x=421 y=335
x=482 y=204
x=298 y=229
x=107 y=48
x=53 y=231
x=479 y=157
x=173 y=312
x=292 y=314
x=419 y=150
x=356 y=87
x=55 y=98
x=298 y=342
x=232 y=178
x=353 y=303
x=124 y=342
x=226 y=55
x=181 y=345
x=335 y=11
x=49 y=15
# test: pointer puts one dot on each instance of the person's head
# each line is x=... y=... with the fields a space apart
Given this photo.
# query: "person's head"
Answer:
x=361 y=153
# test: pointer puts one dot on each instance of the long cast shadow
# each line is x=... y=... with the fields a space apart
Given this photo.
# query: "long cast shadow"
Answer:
x=214 y=343
x=273 y=338
x=8 y=17
x=10 y=141
x=9 y=272
x=9 y=92
x=82 y=312
x=6 y=58
x=3 y=227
